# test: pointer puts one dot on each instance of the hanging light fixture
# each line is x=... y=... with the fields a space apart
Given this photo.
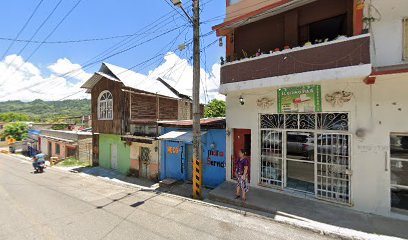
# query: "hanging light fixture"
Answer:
x=176 y=2
x=241 y=100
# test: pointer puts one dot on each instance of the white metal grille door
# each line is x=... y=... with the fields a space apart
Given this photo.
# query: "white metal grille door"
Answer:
x=271 y=158
x=333 y=167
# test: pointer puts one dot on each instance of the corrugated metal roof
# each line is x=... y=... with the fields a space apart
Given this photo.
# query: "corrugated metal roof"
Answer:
x=179 y=136
x=130 y=79
x=96 y=78
x=58 y=139
x=140 y=81
x=203 y=121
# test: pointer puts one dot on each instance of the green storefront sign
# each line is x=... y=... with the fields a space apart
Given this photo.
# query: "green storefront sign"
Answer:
x=300 y=99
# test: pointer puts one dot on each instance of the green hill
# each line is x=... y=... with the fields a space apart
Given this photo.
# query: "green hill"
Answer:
x=39 y=110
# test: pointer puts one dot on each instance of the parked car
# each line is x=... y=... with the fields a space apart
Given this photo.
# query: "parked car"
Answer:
x=298 y=145
x=330 y=144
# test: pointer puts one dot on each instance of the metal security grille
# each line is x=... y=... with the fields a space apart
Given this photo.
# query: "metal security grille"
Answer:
x=399 y=170
x=271 y=158
x=326 y=149
x=306 y=121
x=333 y=167
x=145 y=154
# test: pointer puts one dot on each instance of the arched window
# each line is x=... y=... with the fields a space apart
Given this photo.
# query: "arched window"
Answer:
x=105 y=106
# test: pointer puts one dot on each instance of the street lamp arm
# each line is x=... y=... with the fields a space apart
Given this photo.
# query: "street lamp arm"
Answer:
x=185 y=12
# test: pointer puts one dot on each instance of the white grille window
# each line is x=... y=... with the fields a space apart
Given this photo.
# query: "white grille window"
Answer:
x=308 y=152
x=405 y=39
x=105 y=106
x=399 y=170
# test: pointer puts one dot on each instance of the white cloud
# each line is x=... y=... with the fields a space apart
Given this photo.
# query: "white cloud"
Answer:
x=64 y=66
x=20 y=80
x=30 y=82
x=179 y=74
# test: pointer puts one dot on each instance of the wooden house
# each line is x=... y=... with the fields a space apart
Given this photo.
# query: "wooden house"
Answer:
x=125 y=109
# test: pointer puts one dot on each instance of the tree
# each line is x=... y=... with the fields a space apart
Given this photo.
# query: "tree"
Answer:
x=13 y=117
x=215 y=108
x=16 y=130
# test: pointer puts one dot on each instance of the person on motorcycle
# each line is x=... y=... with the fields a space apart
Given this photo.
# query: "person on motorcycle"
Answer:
x=37 y=159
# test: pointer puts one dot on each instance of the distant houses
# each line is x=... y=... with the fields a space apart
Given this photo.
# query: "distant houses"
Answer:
x=66 y=144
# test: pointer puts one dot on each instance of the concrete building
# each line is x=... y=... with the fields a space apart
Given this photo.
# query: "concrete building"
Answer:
x=317 y=91
x=65 y=144
x=177 y=150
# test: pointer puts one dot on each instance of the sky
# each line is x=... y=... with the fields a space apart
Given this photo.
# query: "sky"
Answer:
x=50 y=56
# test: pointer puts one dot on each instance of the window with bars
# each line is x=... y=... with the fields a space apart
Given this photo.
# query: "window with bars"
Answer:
x=57 y=149
x=105 y=106
x=399 y=170
x=145 y=154
x=307 y=121
x=405 y=38
x=271 y=158
x=324 y=138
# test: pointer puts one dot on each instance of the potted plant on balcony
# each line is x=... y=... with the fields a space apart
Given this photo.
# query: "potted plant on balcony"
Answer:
x=222 y=61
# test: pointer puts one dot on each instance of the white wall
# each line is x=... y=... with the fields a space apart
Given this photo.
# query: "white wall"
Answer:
x=387 y=31
x=370 y=180
x=44 y=145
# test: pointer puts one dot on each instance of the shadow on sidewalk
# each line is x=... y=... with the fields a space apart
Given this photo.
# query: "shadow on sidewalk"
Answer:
x=183 y=189
x=313 y=212
x=115 y=176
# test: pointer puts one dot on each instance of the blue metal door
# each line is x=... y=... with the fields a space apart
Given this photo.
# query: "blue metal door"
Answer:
x=174 y=160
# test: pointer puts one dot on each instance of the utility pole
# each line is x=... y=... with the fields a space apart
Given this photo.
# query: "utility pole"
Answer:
x=198 y=164
x=197 y=153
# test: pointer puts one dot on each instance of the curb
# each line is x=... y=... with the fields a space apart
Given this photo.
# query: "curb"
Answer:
x=213 y=201
x=324 y=229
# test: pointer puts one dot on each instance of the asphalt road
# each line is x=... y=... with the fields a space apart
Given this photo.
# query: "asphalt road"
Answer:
x=63 y=205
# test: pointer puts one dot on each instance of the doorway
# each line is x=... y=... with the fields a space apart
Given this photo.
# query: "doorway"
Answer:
x=50 y=149
x=144 y=162
x=307 y=152
x=242 y=140
x=300 y=161
x=114 y=156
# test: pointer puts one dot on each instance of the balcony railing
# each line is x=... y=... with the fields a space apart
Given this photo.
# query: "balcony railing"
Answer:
x=344 y=52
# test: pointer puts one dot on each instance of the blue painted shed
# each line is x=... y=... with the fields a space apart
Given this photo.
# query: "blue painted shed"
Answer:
x=177 y=150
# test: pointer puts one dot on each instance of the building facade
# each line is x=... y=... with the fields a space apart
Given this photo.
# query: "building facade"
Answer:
x=125 y=111
x=177 y=150
x=316 y=92
x=66 y=144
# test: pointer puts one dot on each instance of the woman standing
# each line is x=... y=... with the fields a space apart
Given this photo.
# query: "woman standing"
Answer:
x=241 y=172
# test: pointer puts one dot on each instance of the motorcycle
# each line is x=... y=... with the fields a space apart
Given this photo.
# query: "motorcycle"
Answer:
x=40 y=167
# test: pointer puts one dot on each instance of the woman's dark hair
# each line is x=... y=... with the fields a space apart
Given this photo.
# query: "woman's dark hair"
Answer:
x=244 y=151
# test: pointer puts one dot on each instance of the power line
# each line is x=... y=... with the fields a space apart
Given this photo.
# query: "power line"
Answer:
x=157 y=55
x=36 y=32
x=129 y=40
x=114 y=47
x=177 y=11
x=171 y=43
x=105 y=58
x=122 y=51
x=22 y=29
x=67 y=41
x=50 y=34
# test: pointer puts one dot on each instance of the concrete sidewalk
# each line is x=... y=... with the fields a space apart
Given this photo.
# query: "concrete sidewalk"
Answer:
x=179 y=188
x=112 y=175
x=314 y=215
